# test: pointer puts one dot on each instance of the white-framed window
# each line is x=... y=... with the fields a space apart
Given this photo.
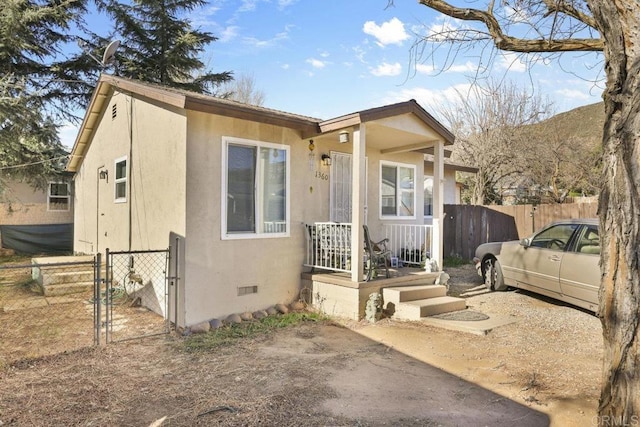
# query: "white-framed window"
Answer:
x=120 y=181
x=255 y=197
x=58 y=197
x=428 y=196
x=397 y=190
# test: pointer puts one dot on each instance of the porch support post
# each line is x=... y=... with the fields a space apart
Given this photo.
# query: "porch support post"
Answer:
x=438 y=202
x=357 y=202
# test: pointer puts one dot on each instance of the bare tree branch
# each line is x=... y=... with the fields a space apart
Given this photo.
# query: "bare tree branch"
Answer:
x=515 y=44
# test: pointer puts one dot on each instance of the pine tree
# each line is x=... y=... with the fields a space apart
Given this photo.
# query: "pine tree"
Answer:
x=159 y=47
x=31 y=34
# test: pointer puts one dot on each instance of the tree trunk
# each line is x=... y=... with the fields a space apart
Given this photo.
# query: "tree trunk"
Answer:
x=619 y=211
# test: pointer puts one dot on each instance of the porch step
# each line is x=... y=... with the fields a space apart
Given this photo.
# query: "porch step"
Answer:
x=400 y=294
x=414 y=302
x=414 y=310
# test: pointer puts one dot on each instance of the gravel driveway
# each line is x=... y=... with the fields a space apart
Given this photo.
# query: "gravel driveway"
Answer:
x=550 y=358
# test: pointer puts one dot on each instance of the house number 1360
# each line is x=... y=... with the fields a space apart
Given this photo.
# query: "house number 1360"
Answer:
x=323 y=176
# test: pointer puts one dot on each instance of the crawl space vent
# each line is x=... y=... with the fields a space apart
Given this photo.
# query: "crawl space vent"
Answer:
x=246 y=290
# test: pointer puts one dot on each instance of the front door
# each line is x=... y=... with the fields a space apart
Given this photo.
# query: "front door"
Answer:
x=340 y=184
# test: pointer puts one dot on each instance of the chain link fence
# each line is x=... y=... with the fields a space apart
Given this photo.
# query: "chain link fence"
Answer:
x=51 y=306
x=46 y=308
x=135 y=295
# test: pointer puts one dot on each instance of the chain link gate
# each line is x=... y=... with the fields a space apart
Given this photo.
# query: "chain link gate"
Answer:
x=133 y=298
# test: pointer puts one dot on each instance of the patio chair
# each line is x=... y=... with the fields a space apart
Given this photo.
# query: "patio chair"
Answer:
x=377 y=254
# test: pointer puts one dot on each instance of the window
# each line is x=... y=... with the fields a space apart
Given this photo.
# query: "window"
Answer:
x=428 y=196
x=589 y=242
x=556 y=237
x=121 y=180
x=397 y=190
x=58 y=197
x=256 y=196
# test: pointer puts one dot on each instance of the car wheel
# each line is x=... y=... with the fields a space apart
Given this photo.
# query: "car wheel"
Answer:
x=493 y=279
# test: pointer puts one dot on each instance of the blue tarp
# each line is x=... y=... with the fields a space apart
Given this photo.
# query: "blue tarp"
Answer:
x=38 y=239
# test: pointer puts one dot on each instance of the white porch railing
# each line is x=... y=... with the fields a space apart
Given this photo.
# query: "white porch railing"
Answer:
x=275 y=226
x=410 y=243
x=328 y=244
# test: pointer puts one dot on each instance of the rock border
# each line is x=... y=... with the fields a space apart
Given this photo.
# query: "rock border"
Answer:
x=236 y=318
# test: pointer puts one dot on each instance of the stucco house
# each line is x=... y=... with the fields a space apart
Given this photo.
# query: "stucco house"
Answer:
x=36 y=220
x=242 y=186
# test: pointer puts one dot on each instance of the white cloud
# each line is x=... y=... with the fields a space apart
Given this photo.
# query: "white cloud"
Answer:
x=283 y=35
x=444 y=29
x=425 y=69
x=390 y=32
x=517 y=16
x=360 y=53
x=285 y=66
x=512 y=62
x=573 y=94
x=463 y=68
x=228 y=34
x=316 y=63
x=286 y=3
x=248 y=5
x=324 y=54
x=432 y=99
x=386 y=69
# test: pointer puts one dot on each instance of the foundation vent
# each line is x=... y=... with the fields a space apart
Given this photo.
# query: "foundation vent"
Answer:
x=247 y=290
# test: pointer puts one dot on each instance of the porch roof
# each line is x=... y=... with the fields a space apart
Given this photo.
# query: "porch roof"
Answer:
x=395 y=128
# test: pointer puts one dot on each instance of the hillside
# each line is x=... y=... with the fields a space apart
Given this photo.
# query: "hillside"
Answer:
x=583 y=122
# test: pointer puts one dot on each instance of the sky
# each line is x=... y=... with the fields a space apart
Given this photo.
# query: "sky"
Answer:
x=332 y=57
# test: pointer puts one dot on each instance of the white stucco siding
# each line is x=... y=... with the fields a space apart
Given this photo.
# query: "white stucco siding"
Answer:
x=158 y=173
x=450 y=189
x=216 y=268
x=152 y=141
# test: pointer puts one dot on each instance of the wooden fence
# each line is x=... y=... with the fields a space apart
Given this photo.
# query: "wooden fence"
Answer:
x=467 y=226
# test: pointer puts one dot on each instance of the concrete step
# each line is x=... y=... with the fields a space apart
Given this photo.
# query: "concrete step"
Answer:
x=414 y=310
x=400 y=294
x=67 y=288
x=48 y=278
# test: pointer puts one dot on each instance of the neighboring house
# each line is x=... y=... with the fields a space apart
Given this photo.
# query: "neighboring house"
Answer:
x=36 y=221
x=238 y=183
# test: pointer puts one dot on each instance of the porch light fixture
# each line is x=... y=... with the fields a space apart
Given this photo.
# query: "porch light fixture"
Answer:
x=104 y=174
x=326 y=159
x=343 y=137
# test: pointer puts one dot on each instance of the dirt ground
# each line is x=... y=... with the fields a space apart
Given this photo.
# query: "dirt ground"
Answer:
x=543 y=369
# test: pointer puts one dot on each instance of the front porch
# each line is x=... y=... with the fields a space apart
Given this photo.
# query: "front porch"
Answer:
x=373 y=180
x=329 y=246
x=335 y=294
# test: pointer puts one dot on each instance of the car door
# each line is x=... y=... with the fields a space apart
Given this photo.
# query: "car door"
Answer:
x=538 y=265
x=580 y=269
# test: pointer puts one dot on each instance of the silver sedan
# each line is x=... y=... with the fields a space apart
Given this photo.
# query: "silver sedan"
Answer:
x=560 y=261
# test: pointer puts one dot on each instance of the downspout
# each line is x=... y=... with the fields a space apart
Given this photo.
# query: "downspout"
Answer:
x=130 y=171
